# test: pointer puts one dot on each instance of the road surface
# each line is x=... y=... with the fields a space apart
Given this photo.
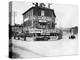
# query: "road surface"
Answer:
x=27 y=49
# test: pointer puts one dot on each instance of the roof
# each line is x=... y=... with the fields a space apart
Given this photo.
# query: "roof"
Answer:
x=28 y=10
x=43 y=8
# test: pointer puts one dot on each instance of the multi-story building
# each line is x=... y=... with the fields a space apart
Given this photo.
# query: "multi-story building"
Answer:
x=39 y=17
x=40 y=20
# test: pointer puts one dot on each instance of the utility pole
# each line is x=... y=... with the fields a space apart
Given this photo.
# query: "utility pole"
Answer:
x=14 y=17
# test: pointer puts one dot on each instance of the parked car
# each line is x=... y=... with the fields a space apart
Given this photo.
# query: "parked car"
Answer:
x=72 y=37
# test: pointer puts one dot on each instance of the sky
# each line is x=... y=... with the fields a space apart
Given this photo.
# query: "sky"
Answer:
x=66 y=15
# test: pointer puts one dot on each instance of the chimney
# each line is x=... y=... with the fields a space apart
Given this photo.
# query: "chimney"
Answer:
x=49 y=5
x=36 y=4
x=42 y=5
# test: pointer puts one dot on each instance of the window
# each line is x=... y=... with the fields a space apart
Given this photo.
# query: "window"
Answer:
x=48 y=13
x=24 y=16
x=42 y=13
x=28 y=23
x=37 y=12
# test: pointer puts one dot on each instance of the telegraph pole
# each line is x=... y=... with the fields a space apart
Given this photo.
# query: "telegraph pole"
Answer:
x=14 y=17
